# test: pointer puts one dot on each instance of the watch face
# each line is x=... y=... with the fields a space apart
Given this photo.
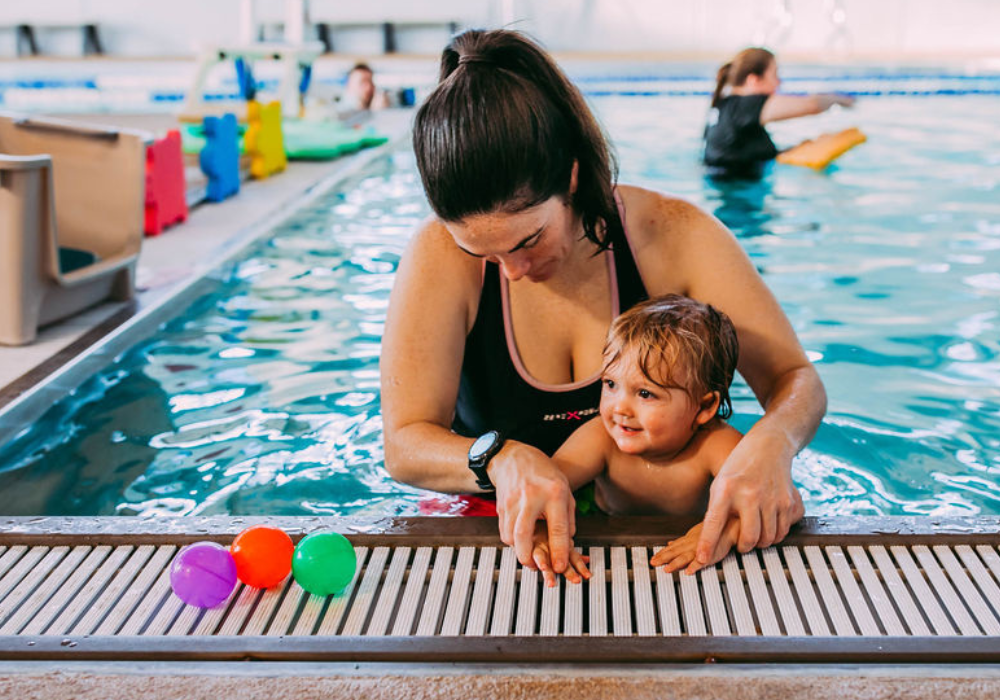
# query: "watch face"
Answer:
x=482 y=444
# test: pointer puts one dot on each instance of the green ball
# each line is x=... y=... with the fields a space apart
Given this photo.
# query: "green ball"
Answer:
x=324 y=562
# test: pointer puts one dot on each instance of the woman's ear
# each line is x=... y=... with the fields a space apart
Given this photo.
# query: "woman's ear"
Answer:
x=708 y=408
x=574 y=177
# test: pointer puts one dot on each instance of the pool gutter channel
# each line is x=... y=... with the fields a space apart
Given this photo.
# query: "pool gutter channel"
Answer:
x=156 y=307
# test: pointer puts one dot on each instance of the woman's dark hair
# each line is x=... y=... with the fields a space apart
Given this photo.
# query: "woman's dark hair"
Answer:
x=752 y=61
x=501 y=132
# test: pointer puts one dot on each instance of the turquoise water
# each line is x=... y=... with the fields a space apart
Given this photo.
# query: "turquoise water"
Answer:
x=262 y=397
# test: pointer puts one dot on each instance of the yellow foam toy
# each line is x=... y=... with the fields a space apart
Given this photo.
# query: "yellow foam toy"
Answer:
x=821 y=151
x=263 y=140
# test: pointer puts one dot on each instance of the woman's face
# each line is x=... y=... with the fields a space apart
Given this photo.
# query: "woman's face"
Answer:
x=769 y=83
x=528 y=244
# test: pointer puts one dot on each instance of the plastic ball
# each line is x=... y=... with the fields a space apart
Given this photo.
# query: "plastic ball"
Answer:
x=324 y=562
x=263 y=556
x=203 y=574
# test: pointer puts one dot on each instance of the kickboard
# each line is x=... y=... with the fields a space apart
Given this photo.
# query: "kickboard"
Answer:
x=823 y=150
x=304 y=140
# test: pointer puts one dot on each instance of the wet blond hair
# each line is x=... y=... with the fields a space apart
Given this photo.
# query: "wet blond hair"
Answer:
x=680 y=343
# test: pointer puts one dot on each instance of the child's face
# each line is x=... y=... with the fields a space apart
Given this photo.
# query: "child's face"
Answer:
x=642 y=417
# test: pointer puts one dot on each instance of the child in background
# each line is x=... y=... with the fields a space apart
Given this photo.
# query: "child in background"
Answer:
x=662 y=435
x=736 y=143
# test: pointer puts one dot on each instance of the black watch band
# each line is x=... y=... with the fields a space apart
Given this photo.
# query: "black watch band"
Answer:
x=482 y=451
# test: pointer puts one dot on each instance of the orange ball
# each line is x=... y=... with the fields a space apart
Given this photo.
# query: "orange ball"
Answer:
x=263 y=556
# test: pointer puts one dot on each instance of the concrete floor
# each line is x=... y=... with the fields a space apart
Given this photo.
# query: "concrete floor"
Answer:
x=236 y=681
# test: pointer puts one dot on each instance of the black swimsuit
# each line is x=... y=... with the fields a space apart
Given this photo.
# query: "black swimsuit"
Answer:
x=497 y=393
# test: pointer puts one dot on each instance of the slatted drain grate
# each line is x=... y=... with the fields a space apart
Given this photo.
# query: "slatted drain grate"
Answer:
x=480 y=591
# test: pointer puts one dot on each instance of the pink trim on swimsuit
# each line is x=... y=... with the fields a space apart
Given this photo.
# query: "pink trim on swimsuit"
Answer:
x=508 y=327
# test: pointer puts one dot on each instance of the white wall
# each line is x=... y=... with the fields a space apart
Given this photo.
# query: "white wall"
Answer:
x=901 y=28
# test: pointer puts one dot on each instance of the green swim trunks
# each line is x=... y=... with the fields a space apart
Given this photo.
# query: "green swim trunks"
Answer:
x=586 y=500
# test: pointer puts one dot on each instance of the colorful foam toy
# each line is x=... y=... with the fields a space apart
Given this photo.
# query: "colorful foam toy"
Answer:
x=263 y=556
x=263 y=140
x=203 y=574
x=823 y=150
x=166 y=192
x=220 y=157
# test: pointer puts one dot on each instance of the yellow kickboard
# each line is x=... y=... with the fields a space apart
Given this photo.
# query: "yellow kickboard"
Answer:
x=822 y=150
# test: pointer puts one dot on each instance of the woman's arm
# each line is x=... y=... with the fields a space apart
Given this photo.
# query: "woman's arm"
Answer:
x=433 y=305
x=779 y=107
x=685 y=250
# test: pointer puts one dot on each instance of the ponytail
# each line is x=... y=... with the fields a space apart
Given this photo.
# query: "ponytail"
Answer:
x=720 y=83
x=501 y=133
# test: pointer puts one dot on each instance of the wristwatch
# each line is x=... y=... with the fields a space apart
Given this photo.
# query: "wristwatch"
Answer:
x=480 y=454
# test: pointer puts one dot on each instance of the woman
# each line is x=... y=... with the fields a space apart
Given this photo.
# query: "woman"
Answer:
x=736 y=143
x=503 y=300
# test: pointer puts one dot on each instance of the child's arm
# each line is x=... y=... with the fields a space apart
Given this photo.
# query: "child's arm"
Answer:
x=584 y=455
x=575 y=572
x=779 y=107
x=680 y=553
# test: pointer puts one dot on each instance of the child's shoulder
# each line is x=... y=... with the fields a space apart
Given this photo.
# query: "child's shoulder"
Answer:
x=718 y=441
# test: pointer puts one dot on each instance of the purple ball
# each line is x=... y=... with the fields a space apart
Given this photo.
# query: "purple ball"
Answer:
x=203 y=574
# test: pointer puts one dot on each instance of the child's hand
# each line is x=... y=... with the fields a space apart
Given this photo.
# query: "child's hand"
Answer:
x=540 y=555
x=680 y=553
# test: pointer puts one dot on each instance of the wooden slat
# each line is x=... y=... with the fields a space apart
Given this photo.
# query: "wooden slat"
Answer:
x=66 y=591
x=981 y=575
x=215 y=616
x=503 y=604
x=742 y=614
x=136 y=592
x=925 y=597
x=990 y=557
x=267 y=607
x=881 y=602
x=621 y=603
x=911 y=615
x=100 y=606
x=186 y=621
x=387 y=600
x=26 y=591
x=21 y=569
x=164 y=617
x=312 y=608
x=573 y=608
x=548 y=621
x=455 y=610
x=338 y=603
x=281 y=624
x=666 y=601
x=411 y=594
x=842 y=625
x=9 y=558
x=60 y=580
x=598 y=592
x=807 y=596
x=782 y=593
x=718 y=618
x=482 y=592
x=852 y=593
x=759 y=595
x=242 y=608
x=946 y=592
x=645 y=614
x=694 y=617
x=527 y=603
x=984 y=616
x=366 y=592
x=430 y=615
x=82 y=600
x=156 y=597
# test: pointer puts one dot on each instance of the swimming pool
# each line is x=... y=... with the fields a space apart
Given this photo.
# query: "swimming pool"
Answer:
x=262 y=396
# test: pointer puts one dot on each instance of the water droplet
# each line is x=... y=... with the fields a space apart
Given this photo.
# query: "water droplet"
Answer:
x=65 y=642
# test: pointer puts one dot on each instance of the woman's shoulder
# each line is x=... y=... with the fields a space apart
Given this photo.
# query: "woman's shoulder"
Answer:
x=663 y=224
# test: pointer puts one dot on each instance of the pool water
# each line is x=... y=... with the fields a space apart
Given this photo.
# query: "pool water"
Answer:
x=262 y=397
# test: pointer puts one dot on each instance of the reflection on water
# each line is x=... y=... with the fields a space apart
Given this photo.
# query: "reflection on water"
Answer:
x=262 y=397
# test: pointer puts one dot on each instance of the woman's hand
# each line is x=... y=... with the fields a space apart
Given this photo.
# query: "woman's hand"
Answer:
x=680 y=553
x=755 y=486
x=530 y=486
